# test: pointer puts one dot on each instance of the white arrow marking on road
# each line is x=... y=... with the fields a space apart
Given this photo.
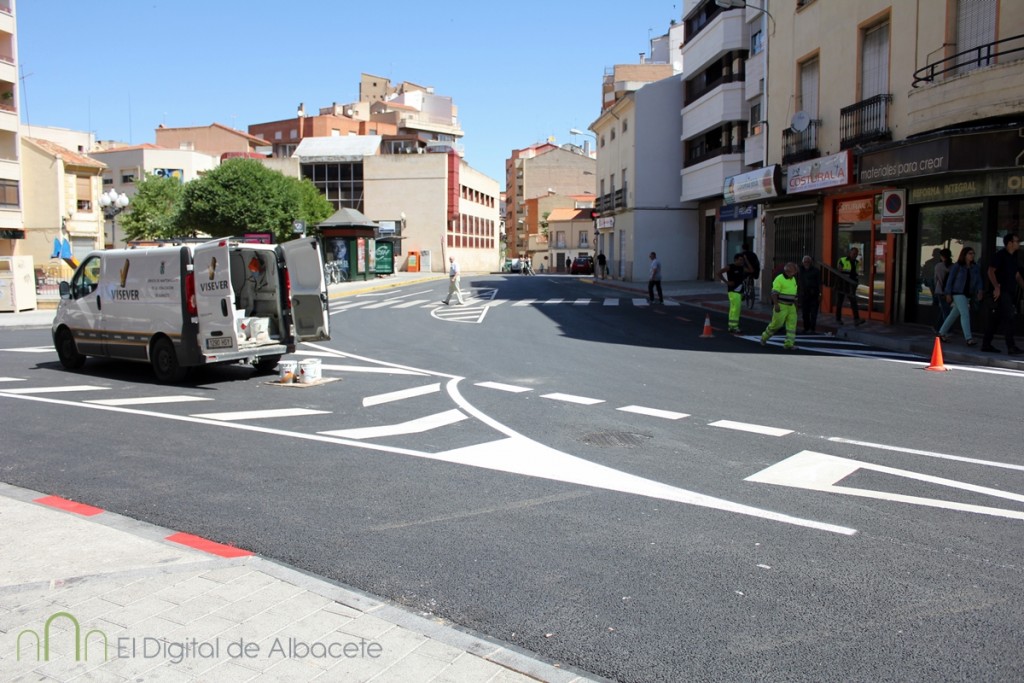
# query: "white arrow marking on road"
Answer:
x=401 y=395
x=756 y=429
x=416 y=426
x=519 y=455
x=821 y=472
x=930 y=454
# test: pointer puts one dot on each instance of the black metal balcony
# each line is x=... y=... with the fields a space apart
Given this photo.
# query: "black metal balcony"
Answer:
x=612 y=201
x=866 y=121
x=800 y=145
x=969 y=60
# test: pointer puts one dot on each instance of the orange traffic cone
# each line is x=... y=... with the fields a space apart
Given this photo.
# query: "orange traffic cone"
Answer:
x=937 y=365
x=707 y=328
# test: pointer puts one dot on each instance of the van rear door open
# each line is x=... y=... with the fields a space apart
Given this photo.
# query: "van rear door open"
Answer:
x=215 y=299
x=310 y=311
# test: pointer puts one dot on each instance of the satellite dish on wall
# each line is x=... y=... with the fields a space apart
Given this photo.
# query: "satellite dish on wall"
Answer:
x=800 y=121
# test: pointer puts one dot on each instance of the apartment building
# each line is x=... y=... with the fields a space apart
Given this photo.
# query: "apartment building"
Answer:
x=722 y=129
x=559 y=227
x=11 y=222
x=638 y=163
x=536 y=171
x=215 y=139
x=899 y=128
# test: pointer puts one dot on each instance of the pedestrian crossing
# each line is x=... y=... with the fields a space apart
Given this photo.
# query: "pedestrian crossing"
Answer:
x=476 y=302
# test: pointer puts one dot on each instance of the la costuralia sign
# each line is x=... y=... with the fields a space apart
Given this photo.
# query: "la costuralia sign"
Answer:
x=832 y=171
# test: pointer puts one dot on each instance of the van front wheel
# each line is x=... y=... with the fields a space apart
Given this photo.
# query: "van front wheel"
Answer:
x=67 y=352
x=165 y=362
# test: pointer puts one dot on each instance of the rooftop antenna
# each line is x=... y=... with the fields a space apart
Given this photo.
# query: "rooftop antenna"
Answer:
x=24 y=97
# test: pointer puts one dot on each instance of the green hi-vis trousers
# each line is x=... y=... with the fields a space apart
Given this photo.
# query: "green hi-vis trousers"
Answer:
x=735 y=304
x=786 y=315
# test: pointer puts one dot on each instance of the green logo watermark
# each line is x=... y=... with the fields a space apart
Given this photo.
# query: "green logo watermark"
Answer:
x=43 y=644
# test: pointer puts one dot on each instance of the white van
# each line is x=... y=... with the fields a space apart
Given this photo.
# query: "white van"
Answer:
x=182 y=306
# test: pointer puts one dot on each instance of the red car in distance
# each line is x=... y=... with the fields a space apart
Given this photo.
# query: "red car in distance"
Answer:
x=582 y=265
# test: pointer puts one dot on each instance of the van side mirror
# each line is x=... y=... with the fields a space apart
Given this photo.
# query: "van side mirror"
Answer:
x=65 y=289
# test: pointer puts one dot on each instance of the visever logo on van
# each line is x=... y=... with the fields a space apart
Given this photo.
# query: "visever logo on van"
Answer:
x=126 y=294
x=215 y=286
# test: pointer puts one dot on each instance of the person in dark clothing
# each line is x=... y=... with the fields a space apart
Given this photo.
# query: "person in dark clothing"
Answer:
x=752 y=260
x=1004 y=277
x=848 y=288
x=809 y=282
x=602 y=265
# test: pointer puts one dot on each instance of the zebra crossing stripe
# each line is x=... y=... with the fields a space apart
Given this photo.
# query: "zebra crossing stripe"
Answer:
x=611 y=302
x=654 y=412
x=260 y=414
x=147 y=400
x=54 y=390
x=553 y=301
x=641 y=302
x=756 y=429
x=410 y=304
x=401 y=395
x=416 y=426
x=524 y=302
x=12 y=379
x=581 y=302
x=503 y=387
x=569 y=398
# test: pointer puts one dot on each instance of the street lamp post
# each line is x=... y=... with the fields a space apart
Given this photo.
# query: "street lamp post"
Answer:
x=112 y=204
x=737 y=4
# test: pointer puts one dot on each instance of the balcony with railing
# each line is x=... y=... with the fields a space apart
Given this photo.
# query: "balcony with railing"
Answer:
x=615 y=200
x=979 y=83
x=865 y=121
x=800 y=145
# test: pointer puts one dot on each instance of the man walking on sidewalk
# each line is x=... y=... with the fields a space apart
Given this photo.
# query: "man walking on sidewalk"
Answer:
x=848 y=290
x=783 y=307
x=809 y=282
x=655 y=280
x=454 y=282
x=1004 y=277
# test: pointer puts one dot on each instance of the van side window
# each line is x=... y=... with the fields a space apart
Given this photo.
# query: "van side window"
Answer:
x=87 y=279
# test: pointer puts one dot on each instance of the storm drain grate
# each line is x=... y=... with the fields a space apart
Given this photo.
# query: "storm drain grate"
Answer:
x=615 y=439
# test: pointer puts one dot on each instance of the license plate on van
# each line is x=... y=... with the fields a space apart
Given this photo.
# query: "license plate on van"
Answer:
x=219 y=343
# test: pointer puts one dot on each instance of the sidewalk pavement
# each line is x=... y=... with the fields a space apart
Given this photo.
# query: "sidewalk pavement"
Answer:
x=86 y=594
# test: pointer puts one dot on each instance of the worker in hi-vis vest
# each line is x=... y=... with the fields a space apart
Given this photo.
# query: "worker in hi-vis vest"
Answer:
x=783 y=307
x=845 y=290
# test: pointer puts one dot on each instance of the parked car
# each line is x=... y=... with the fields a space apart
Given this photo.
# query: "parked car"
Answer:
x=582 y=265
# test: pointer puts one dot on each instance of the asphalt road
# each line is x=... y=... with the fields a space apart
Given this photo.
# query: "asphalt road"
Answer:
x=593 y=482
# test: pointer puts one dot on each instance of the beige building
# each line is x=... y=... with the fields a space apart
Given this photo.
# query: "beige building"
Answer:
x=61 y=201
x=215 y=139
x=898 y=130
x=540 y=170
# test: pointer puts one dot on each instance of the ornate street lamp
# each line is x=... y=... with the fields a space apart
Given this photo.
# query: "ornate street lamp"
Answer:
x=112 y=204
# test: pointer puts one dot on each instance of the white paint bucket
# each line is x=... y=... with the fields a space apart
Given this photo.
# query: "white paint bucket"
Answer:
x=309 y=371
x=286 y=371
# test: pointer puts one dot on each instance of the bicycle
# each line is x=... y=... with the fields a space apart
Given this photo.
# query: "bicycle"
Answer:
x=748 y=292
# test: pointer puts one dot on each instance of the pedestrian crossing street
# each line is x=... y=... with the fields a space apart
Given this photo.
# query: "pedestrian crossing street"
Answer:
x=475 y=302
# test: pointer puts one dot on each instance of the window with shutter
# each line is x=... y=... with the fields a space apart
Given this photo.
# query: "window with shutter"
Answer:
x=875 y=62
x=975 y=28
x=83 y=193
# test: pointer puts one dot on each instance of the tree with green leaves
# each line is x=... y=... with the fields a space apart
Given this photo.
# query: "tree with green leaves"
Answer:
x=152 y=213
x=242 y=196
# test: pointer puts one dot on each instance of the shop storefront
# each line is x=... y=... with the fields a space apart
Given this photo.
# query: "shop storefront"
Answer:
x=961 y=189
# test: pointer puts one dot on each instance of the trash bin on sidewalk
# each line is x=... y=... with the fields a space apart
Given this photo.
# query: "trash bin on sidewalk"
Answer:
x=412 y=264
x=17 y=284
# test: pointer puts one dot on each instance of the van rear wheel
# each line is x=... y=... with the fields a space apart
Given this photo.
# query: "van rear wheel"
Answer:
x=165 y=362
x=67 y=351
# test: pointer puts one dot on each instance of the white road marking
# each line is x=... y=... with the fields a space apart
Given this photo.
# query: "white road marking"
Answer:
x=581 y=302
x=821 y=472
x=495 y=302
x=569 y=398
x=372 y=370
x=416 y=426
x=518 y=455
x=756 y=429
x=460 y=314
x=641 y=302
x=671 y=303
x=351 y=304
x=260 y=414
x=147 y=400
x=553 y=301
x=12 y=379
x=503 y=387
x=524 y=302
x=929 y=454
x=401 y=395
x=382 y=304
x=323 y=353
x=611 y=302
x=654 y=412
x=410 y=304
x=32 y=349
x=54 y=390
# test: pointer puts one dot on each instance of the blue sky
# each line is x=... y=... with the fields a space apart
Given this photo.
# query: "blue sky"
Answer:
x=518 y=72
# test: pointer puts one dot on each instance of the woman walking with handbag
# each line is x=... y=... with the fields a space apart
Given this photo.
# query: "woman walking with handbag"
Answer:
x=963 y=282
